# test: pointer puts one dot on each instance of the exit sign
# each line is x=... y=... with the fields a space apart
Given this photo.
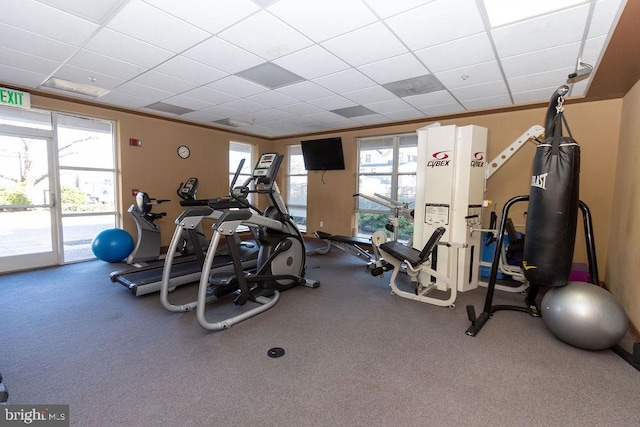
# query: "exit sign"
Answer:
x=14 y=98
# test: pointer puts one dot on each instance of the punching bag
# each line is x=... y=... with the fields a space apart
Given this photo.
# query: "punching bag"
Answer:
x=553 y=204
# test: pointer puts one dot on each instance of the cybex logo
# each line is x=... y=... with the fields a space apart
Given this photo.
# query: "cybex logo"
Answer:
x=478 y=160
x=441 y=159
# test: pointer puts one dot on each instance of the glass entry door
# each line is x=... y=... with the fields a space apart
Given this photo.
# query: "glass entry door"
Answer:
x=27 y=202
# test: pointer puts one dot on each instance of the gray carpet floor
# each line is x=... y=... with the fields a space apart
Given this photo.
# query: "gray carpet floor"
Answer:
x=355 y=356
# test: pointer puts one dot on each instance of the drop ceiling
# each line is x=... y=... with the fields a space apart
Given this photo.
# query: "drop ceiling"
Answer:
x=295 y=67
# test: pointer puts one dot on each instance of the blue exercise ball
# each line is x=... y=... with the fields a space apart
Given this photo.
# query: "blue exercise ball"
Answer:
x=584 y=315
x=112 y=245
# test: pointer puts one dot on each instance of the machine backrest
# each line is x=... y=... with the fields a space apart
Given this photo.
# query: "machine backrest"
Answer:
x=431 y=243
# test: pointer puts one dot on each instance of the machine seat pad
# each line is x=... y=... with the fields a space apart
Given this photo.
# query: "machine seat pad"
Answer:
x=402 y=252
x=413 y=256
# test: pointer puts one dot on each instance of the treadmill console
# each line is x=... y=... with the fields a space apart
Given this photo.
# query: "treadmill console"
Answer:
x=188 y=190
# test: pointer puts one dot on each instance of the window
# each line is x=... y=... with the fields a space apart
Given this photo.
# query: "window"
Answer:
x=387 y=168
x=237 y=152
x=57 y=186
x=297 y=187
x=87 y=176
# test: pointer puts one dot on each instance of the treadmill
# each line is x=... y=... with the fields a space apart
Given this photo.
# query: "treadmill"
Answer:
x=185 y=270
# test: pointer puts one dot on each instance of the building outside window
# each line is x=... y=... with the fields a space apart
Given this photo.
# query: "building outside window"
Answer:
x=297 y=186
x=387 y=168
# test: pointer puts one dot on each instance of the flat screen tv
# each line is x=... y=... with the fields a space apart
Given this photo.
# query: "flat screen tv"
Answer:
x=323 y=154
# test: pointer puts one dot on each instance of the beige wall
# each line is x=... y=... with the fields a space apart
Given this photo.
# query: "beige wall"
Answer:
x=623 y=263
x=594 y=125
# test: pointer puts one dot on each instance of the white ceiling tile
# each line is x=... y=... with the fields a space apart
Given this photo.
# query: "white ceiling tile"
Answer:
x=604 y=16
x=369 y=95
x=444 y=109
x=143 y=91
x=389 y=106
x=497 y=88
x=250 y=35
x=273 y=98
x=322 y=20
x=355 y=47
x=245 y=106
x=82 y=76
x=332 y=102
x=21 y=76
x=457 y=53
x=471 y=76
x=212 y=96
x=305 y=91
x=593 y=49
x=394 y=69
x=302 y=109
x=237 y=86
x=125 y=100
x=105 y=65
x=211 y=16
x=344 y=81
x=370 y=119
x=164 y=81
x=190 y=70
x=428 y=99
x=536 y=95
x=211 y=114
x=318 y=127
x=95 y=11
x=483 y=103
x=541 y=60
x=325 y=117
x=33 y=44
x=296 y=121
x=222 y=55
x=542 y=32
x=151 y=25
x=447 y=20
x=386 y=8
x=266 y=116
x=553 y=78
x=188 y=102
x=47 y=21
x=25 y=61
x=411 y=113
x=312 y=62
x=119 y=46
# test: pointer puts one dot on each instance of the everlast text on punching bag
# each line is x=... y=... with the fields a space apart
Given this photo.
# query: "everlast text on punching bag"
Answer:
x=553 y=205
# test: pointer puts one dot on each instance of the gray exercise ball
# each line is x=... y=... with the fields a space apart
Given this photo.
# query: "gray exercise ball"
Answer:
x=584 y=315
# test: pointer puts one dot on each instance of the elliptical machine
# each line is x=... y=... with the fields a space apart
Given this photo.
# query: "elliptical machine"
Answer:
x=281 y=257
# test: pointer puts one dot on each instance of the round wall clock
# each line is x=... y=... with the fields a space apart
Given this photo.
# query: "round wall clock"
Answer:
x=183 y=151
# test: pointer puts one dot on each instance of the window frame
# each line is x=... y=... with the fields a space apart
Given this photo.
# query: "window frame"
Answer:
x=397 y=141
x=302 y=226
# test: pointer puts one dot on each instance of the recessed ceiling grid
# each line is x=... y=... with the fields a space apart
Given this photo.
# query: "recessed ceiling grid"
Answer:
x=285 y=67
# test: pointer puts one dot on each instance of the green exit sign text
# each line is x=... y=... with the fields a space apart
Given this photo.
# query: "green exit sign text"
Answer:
x=14 y=98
